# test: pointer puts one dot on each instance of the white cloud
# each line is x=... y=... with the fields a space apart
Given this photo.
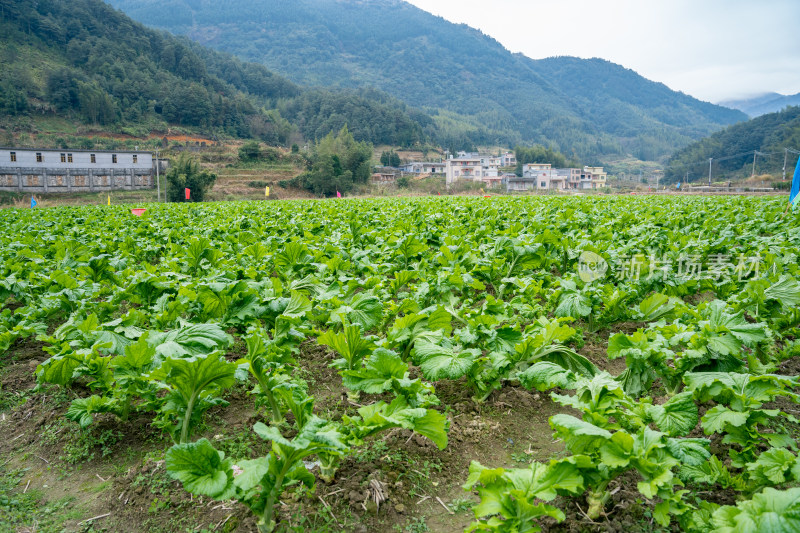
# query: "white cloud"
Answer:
x=711 y=49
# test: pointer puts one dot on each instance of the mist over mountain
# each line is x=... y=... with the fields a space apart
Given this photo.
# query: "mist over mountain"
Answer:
x=763 y=104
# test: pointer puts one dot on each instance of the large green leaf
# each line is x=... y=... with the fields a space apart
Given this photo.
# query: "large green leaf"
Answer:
x=447 y=361
x=350 y=344
x=719 y=417
x=190 y=340
x=381 y=368
x=786 y=291
x=546 y=375
x=676 y=417
x=82 y=410
x=193 y=377
x=770 y=511
x=381 y=416
x=574 y=304
x=202 y=469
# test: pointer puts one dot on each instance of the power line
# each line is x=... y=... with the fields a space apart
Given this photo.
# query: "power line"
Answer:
x=755 y=153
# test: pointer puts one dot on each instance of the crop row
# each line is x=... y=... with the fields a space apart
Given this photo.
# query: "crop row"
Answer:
x=490 y=293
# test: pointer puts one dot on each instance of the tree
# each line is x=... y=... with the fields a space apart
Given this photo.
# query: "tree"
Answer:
x=337 y=163
x=185 y=173
x=390 y=159
x=250 y=151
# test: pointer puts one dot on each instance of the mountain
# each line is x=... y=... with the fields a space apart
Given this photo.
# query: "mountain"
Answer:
x=776 y=137
x=85 y=61
x=763 y=104
x=475 y=89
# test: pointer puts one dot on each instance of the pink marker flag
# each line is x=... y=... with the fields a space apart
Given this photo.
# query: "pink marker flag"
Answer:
x=338 y=194
x=188 y=193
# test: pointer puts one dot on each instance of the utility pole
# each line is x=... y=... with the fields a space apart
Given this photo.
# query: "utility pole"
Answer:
x=785 y=153
x=158 y=178
x=710 y=159
x=755 y=153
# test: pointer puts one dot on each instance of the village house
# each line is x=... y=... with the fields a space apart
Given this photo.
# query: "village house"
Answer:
x=423 y=168
x=508 y=159
x=542 y=177
x=472 y=166
x=64 y=170
x=385 y=175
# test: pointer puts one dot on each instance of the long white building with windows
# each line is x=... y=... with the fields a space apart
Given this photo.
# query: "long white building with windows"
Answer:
x=40 y=170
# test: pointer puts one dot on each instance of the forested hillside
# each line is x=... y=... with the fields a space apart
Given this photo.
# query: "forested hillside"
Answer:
x=83 y=60
x=732 y=148
x=476 y=90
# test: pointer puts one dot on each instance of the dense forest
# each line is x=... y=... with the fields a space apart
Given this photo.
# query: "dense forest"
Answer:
x=84 y=60
x=476 y=91
x=732 y=149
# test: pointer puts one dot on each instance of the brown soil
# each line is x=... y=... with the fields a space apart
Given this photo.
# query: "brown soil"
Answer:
x=417 y=482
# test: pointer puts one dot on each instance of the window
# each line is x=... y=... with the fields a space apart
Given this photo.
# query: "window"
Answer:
x=543 y=184
x=135 y=159
x=69 y=158
x=93 y=158
x=63 y=158
x=113 y=158
x=39 y=157
x=13 y=157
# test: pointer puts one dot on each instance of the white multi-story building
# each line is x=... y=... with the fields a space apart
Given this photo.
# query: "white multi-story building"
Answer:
x=423 y=168
x=474 y=167
x=541 y=177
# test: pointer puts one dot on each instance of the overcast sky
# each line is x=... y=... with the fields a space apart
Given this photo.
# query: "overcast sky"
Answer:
x=711 y=49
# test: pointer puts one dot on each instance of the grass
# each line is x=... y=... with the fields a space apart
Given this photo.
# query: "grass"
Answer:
x=27 y=510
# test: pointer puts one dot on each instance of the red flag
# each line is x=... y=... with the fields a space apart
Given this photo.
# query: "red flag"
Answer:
x=188 y=193
x=338 y=194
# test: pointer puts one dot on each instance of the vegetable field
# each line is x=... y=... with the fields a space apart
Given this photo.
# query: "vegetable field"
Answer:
x=437 y=364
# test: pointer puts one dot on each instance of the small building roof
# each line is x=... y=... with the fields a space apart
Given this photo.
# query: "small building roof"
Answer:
x=73 y=150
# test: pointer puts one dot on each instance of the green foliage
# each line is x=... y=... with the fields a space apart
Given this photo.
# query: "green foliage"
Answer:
x=185 y=173
x=770 y=510
x=89 y=62
x=338 y=163
x=192 y=386
x=134 y=313
x=257 y=483
x=509 y=496
x=390 y=159
x=250 y=151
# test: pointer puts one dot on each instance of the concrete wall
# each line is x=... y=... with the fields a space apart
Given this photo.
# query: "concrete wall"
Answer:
x=50 y=175
x=40 y=180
